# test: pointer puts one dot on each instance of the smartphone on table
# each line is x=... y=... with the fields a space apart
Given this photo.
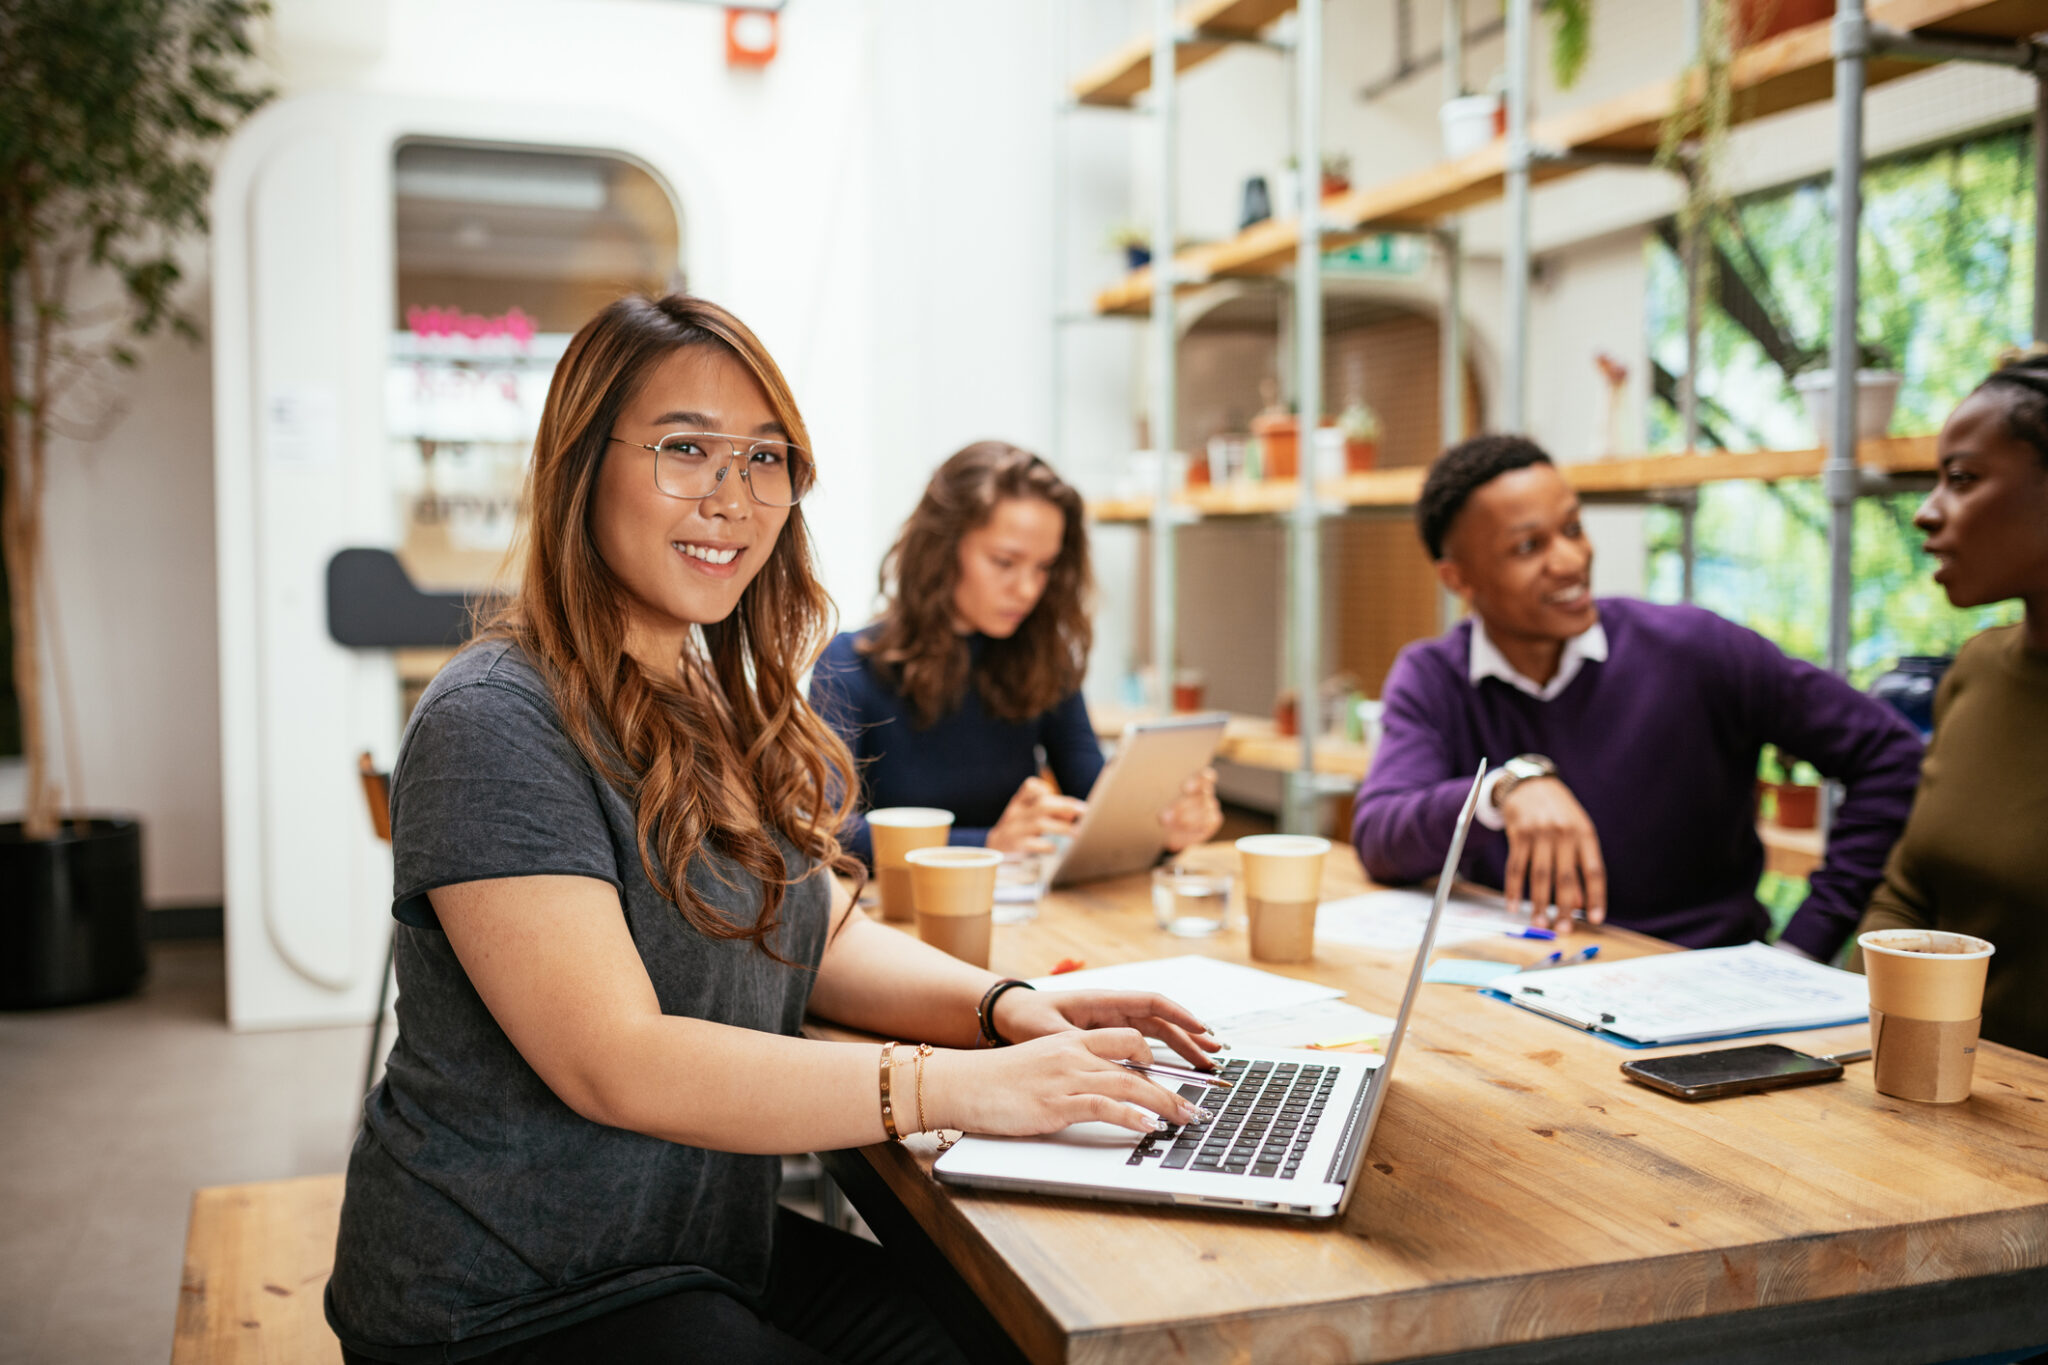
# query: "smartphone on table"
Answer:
x=1735 y=1070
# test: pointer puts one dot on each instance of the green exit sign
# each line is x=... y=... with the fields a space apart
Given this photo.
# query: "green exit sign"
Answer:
x=1386 y=253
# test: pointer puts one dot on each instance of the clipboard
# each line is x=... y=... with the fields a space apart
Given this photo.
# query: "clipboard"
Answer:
x=1704 y=995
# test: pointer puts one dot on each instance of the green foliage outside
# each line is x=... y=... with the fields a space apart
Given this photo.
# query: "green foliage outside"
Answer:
x=1946 y=261
x=1947 y=281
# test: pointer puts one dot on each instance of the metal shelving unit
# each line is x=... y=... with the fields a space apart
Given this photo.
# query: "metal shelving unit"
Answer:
x=1860 y=47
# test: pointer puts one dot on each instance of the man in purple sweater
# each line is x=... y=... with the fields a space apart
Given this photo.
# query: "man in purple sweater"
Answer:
x=1622 y=736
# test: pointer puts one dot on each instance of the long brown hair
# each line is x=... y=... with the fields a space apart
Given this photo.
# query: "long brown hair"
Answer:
x=913 y=641
x=730 y=718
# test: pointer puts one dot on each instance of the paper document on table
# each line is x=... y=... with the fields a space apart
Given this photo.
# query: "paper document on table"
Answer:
x=1692 y=996
x=1319 y=1023
x=1392 y=921
x=1214 y=992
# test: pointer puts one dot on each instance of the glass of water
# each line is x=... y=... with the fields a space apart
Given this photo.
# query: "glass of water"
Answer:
x=1020 y=885
x=1190 y=902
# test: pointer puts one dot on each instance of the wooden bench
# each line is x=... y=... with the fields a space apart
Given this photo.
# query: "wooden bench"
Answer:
x=257 y=1258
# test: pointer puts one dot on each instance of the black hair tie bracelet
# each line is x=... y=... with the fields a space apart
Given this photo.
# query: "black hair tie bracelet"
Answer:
x=985 y=1012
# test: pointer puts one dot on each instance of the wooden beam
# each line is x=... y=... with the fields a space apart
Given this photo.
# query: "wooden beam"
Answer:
x=1397 y=489
x=1119 y=78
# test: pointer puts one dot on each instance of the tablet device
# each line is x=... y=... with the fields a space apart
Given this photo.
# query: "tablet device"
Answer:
x=1120 y=832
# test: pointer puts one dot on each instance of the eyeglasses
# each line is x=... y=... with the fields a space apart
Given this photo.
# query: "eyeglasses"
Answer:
x=692 y=464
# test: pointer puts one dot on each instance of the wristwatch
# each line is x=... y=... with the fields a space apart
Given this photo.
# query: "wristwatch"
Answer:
x=1517 y=770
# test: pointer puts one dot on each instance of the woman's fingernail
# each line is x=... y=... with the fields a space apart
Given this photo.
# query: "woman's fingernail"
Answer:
x=1199 y=1114
x=1159 y=1125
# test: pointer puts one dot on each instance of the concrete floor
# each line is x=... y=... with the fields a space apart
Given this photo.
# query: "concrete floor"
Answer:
x=113 y=1114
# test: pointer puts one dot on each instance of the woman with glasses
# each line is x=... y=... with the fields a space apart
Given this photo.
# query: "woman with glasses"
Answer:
x=1973 y=857
x=614 y=827
x=974 y=667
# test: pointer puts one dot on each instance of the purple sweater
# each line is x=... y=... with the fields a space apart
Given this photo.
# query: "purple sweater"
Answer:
x=1660 y=745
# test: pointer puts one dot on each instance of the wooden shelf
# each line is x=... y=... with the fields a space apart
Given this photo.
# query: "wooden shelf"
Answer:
x=1118 y=79
x=1793 y=853
x=1397 y=489
x=1787 y=72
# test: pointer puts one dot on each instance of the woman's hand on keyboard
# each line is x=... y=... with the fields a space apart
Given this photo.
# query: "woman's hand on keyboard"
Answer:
x=1033 y=1014
x=1048 y=1083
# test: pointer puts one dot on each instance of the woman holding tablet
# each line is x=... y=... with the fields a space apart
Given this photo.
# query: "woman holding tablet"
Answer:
x=976 y=662
x=614 y=826
x=1972 y=858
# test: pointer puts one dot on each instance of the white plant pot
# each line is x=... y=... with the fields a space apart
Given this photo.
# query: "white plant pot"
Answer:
x=1877 y=393
x=1468 y=123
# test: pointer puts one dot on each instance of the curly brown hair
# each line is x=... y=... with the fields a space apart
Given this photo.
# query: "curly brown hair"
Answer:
x=914 y=641
x=730 y=717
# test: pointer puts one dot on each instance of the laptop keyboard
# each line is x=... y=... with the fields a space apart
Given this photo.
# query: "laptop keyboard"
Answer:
x=1265 y=1124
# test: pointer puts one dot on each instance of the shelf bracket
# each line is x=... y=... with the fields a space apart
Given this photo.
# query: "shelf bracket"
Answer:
x=1589 y=156
x=1883 y=40
x=1188 y=35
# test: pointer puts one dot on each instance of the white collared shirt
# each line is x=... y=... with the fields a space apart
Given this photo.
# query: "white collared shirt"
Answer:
x=1486 y=661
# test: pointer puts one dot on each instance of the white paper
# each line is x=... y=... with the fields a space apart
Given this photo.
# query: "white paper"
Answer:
x=1329 y=1022
x=1706 y=993
x=1393 y=921
x=1214 y=992
x=302 y=425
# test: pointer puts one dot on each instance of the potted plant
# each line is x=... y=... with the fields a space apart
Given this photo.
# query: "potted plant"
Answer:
x=1794 y=787
x=1134 y=242
x=1361 y=428
x=111 y=106
x=1336 y=173
x=1877 y=390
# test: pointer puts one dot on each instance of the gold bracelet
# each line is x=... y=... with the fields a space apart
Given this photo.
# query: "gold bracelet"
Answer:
x=888 y=1108
x=924 y=1050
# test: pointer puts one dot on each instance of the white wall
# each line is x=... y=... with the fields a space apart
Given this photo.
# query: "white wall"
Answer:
x=881 y=199
x=129 y=566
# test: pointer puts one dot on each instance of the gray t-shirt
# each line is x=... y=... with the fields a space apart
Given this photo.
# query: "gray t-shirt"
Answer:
x=480 y=1209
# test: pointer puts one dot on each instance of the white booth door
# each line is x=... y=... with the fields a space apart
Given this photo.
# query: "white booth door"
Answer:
x=391 y=290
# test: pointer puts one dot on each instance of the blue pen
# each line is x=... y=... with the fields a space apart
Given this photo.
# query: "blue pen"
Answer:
x=1587 y=953
x=1550 y=961
x=1530 y=931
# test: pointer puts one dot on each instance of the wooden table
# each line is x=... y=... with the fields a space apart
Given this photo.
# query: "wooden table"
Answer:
x=1523 y=1202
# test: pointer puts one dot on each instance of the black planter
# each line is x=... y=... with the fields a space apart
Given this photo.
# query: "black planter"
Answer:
x=70 y=914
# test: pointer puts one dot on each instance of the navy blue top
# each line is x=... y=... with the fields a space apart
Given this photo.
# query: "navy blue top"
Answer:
x=967 y=762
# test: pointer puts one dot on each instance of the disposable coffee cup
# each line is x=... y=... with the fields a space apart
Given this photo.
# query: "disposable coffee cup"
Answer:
x=954 y=890
x=1926 y=1005
x=896 y=830
x=1283 y=879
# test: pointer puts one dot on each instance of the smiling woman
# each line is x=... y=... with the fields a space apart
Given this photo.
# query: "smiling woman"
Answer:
x=973 y=670
x=614 y=820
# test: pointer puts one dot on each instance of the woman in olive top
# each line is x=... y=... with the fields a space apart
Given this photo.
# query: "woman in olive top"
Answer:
x=614 y=822
x=1974 y=857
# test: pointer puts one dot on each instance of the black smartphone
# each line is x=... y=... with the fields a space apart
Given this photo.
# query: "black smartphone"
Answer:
x=1731 y=1071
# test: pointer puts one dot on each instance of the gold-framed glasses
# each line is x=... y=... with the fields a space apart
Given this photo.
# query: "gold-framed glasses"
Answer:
x=692 y=464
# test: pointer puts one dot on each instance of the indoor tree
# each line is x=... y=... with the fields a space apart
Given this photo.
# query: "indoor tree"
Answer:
x=108 y=111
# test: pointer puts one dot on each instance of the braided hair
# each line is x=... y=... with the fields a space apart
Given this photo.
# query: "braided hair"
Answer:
x=2022 y=380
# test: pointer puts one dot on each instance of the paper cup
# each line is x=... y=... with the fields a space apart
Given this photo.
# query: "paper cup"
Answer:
x=1283 y=878
x=1926 y=973
x=954 y=890
x=896 y=830
x=1926 y=1004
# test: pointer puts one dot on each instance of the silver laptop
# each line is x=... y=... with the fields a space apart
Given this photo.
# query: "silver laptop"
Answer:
x=1120 y=831
x=1288 y=1136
